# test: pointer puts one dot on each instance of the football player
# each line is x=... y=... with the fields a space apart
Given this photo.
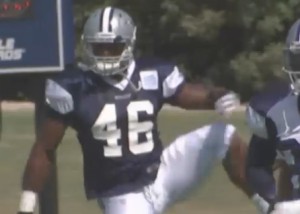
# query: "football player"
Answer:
x=273 y=116
x=112 y=103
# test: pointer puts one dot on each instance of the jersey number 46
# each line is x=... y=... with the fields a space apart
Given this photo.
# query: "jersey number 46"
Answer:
x=105 y=128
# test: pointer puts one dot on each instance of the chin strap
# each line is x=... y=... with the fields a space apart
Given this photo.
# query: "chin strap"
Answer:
x=132 y=85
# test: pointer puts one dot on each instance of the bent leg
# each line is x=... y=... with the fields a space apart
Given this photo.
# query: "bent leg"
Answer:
x=189 y=160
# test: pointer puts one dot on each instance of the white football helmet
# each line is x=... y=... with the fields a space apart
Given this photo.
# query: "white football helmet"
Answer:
x=108 y=39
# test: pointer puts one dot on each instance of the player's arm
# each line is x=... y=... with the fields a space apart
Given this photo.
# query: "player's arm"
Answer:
x=260 y=160
x=186 y=95
x=259 y=172
x=40 y=161
x=200 y=96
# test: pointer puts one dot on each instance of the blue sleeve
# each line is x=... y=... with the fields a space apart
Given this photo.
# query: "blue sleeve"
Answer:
x=59 y=94
x=259 y=173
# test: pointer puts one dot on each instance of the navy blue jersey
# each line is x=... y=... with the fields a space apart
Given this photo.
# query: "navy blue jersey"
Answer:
x=273 y=116
x=115 y=124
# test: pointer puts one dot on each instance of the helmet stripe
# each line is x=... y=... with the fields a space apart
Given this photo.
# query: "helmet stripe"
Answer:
x=110 y=18
x=298 y=33
x=100 y=21
x=106 y=20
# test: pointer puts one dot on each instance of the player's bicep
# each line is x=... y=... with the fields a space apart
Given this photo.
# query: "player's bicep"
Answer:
x=50 y=133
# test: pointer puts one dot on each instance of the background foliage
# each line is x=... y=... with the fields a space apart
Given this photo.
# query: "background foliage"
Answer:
x=234 y=43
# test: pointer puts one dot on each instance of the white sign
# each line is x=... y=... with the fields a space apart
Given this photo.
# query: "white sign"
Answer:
x=8 y=51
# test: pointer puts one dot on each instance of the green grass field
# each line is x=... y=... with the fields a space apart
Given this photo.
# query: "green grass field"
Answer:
x=217 y=196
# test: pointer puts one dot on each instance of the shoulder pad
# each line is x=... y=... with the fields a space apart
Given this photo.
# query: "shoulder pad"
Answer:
x=58 y=98
x=170 y=77
x=256 y=123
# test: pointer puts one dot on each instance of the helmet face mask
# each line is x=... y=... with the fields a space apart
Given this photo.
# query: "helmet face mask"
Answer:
x=108 y=58
x=291 y=56
x=109 y=50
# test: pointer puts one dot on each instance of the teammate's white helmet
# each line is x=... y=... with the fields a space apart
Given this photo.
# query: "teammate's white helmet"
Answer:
x=291 y=56
x=108 y=39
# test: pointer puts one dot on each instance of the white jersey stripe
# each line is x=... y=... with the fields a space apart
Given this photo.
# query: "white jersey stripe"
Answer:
x=58 y=98
x=171 y=83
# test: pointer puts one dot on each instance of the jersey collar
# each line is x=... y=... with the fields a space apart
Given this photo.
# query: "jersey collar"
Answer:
x=123 y=83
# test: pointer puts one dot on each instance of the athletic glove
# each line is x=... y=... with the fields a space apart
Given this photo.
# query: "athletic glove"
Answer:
x=226 y=104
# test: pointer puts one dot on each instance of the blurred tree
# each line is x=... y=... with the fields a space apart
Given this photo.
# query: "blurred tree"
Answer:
x=231 y=42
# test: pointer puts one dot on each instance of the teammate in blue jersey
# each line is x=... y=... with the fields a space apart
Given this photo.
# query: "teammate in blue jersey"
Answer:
x=112 y=102
x=273 y=116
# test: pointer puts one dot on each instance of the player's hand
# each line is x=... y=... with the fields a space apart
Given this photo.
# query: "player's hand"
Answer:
x=287 y=207
x=261 y=204
x=226 y=104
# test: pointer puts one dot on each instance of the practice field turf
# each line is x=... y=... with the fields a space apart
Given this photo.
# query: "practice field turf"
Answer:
x=217 y=196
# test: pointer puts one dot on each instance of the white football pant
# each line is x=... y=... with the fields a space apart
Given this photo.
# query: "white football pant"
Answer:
x=185 y=164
